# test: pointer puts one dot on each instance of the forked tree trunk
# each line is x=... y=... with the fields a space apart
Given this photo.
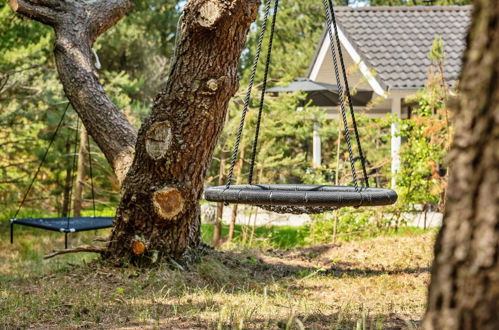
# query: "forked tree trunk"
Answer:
x=464 y=289
x=162 y=167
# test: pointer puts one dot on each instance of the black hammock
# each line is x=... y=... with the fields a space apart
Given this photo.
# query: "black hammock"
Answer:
x=65 y=224
x=301 y=198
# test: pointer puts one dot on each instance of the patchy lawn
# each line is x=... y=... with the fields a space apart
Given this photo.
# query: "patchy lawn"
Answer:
x=365 y=283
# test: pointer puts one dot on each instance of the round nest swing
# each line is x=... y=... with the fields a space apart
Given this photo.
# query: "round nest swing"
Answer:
x=301 y=198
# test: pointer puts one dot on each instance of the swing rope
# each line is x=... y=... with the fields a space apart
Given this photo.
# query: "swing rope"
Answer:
x=343 y=93
x=72 y=171
x=52 y=139
x=264 y=88
x=300 y=198
x=248 y=95
x=347 y=88
x=90 y=169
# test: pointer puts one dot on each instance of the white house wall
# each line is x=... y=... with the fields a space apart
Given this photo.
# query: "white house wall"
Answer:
x=325 y=71
x=360 y=77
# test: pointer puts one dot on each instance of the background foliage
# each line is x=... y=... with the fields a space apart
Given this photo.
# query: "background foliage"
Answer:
x=135 y=57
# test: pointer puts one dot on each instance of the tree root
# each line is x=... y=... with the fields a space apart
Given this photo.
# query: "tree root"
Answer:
x=83 y=248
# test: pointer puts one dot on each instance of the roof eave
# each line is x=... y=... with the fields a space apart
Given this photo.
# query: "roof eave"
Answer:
x=316 y=53
x=377 y=85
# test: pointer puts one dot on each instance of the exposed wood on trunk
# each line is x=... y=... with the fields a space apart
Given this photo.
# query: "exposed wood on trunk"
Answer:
x=158 y=140
x=168 y=202
x=80 y=174
x=194 y=102
x=138 y=247
x=464 y=289
x=162 y=168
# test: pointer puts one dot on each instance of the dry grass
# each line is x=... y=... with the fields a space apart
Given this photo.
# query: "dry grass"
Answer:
x=369 y=283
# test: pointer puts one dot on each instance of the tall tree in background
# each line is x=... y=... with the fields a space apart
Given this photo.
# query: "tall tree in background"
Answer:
x=162 y=166
x=464 y=289
x=133 y=57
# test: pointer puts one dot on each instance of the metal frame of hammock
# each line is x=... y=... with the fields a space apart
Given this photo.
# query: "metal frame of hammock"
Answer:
x=65 y=224
x=301 y=198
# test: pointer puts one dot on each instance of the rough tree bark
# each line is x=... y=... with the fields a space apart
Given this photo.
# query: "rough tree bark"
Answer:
x=161 y=167
x=464 y=289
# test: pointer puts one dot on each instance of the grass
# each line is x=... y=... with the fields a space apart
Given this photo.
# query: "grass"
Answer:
x=376 y=282
x=278 y=237
x=287 y=237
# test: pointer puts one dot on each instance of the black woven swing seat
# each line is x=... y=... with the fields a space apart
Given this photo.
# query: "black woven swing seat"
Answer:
x=300 y=198
x=66 y=225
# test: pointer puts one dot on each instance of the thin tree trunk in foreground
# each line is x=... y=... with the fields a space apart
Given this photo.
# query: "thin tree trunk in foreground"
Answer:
x=80 y=174
x=233 y=217
x=217 y=233
x=162 y=167
x=232 y=226
x=67 y=183
x=464 y=289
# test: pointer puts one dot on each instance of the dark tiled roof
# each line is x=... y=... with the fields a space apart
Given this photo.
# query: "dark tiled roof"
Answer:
x=396 y=41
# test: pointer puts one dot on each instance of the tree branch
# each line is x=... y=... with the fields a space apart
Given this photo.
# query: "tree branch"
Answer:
x=83 y=248
x=77 y=25
x=105 y=14
x=35 y=9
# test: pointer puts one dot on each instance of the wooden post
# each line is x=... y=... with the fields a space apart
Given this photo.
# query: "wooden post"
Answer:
x=67 y=184
x=235 y=207
x=316 y=147
x=80 y=174
x=217 y=233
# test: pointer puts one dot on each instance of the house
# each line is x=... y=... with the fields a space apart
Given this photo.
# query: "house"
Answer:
x=389 y=48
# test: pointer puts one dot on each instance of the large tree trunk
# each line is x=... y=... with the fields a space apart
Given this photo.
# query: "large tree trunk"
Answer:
x=159 y=212
x=159 y=209
x=464 y=289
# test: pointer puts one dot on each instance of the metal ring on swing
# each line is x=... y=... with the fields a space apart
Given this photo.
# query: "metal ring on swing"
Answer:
x=300 y=198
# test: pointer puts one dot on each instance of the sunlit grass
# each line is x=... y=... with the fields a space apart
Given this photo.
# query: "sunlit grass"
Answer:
x=362 y=283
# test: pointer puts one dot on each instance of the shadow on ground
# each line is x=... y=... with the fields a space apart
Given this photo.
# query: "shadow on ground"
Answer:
x=345 y=286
